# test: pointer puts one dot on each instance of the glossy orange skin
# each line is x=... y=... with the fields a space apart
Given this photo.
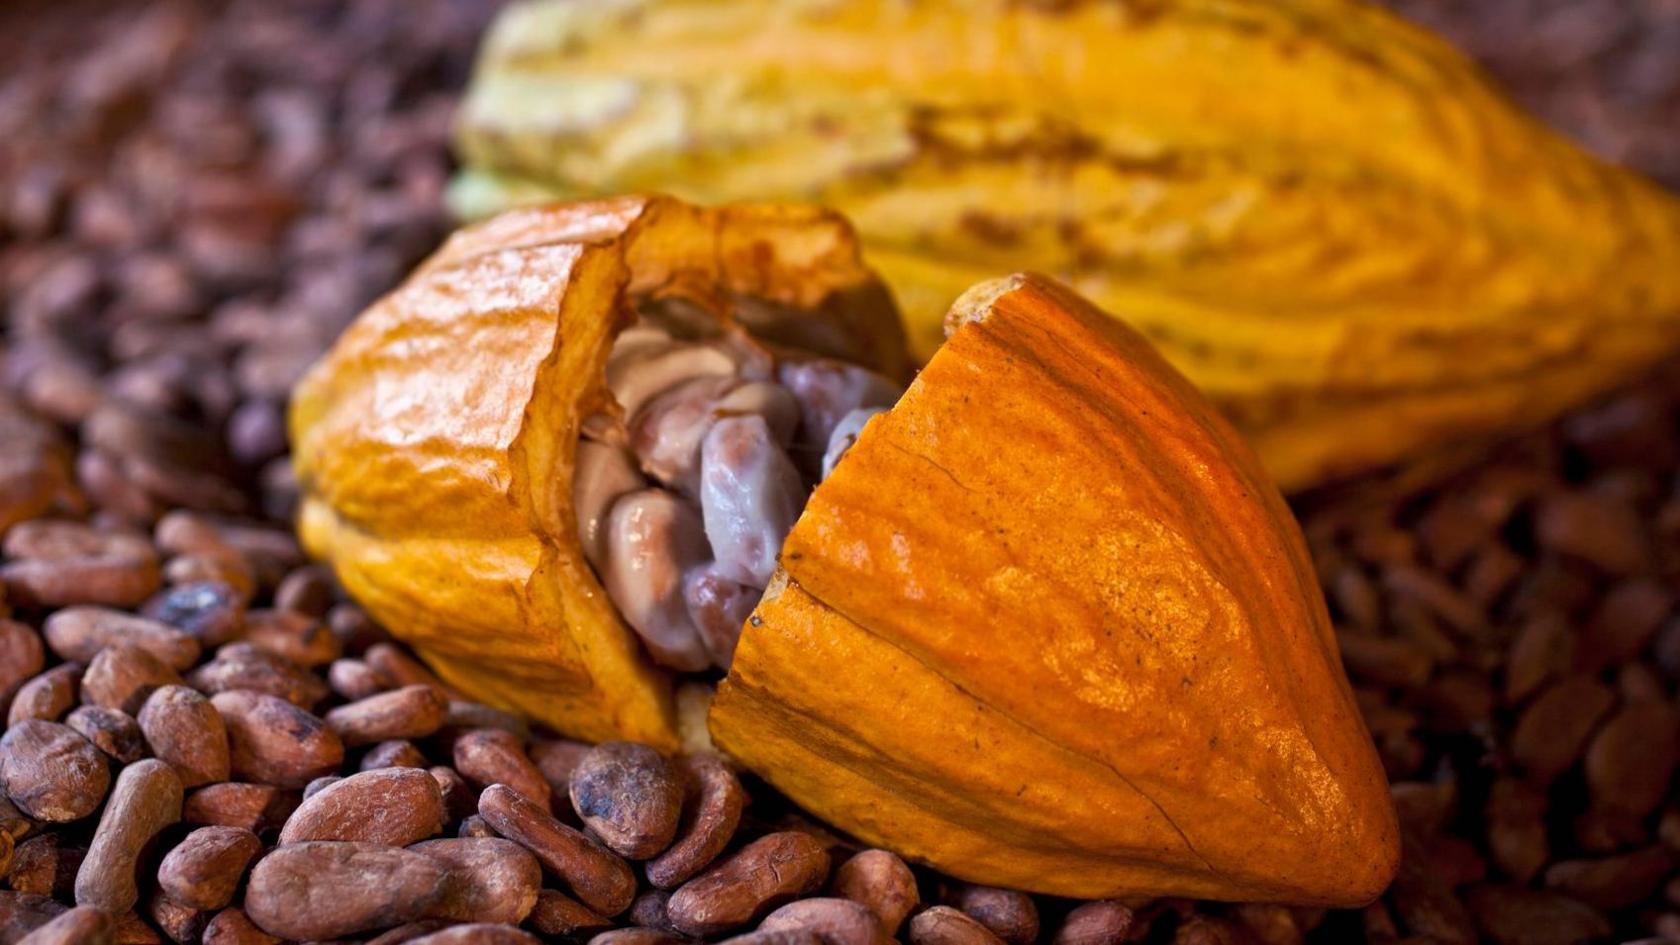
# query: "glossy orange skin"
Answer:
x=1049 y=626
x=434 y=443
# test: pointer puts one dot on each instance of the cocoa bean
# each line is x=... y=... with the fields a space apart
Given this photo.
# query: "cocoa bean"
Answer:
x=112 y=731
x=881 y=881
x=353 y=679
x=1010 y=915
x=557 y=758
x=227 y=569
x=131 y=929
x=234 y=927
x=1104 y=922
x=391 y=806
x=122 y=677
x=459 y=799
x=1512 y=916
x=79 y=633
x=307 y=591
x=409 y=931
x=255 y=807
x=320 y=784
x=52 y=773
x=409 y=712
x=274 y=742
x=242 y=666
x=475 y=826
x=1553 y=731
x=185 y=730
x=22 y=913
x=638 y=936
x=598 y=878
x=392 y=754
x=46 y=696
x=629 y=795
x=1613 y=882
x=83 y=925
x=46 y=866
x=559 y=915
x=752 y=881
x=943 y=925
x=13 y=823
x=213 y=612
x=801 y=936
x=110 y=581
x=206 y=867
x=324 y=890
x=487 y=756
x=490 y=880
x=648 y=910
x=21 y=654
x=465 y=716
x=178 y=923
x=400 y=668
x=836 y=921
x=294 y=637
x=145 y=800
x=1596 y=529
x=1631 y=760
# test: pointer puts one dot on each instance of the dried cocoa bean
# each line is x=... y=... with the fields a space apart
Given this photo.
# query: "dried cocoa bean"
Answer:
x=242 y=666
x=320 y=784
x=475 y=826
x=755 y=879
x=145 y=800
x=110 y=581
x=1596 y=529
x=1104 y=922
x=943 y=925
x=487 y=756
x=353 y=679
x=1512 y=916
x=561 y=916
x=213 y=612
x=629 y=795
x=881 y=881
x=778 y=937
x=1010 y=915
x=227 y=569
x=274 y=742
x=557 y=758
x=466 y=716
x=392 y=754
x=21 y=654
x=1552 y=732
x=1613 y=882
x=46 y=866
x=52 y=773
x=324 y=890
x=22 y=913
x=131 y=929
x=185 y=730
x=598 y=878
x=1631 y=760
x=648 y=910
x=79 y=633
x=205 y=868
x=294 y=637
x=307 y=590
x=490 y=880
x=83 y=925
x=409 y=712
x=836 y=921
x=234 y=927
x=179 y=923
x=638 y=936
x=122 y=677
x=13 y=823
x=409 y=931
x=255 y=807
x=112 y=731
x=459 y=799
x=46 y=696
x=400 y=668
x=391 y=806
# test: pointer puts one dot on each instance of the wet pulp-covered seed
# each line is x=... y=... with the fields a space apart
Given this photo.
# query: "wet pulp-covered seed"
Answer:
x=684 y=500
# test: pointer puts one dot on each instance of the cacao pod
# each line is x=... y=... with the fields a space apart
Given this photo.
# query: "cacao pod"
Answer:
x=1325 y=217
x=1045 y=623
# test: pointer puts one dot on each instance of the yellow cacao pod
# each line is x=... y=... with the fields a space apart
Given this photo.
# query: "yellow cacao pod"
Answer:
x=1328 y=219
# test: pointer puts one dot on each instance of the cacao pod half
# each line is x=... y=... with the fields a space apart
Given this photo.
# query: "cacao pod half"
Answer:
x=1044 y=624
x=1325 y=217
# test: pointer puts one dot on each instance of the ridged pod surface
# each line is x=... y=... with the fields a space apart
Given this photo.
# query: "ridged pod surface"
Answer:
x=435 y=442
x=1076 y=646
x=1328 y=219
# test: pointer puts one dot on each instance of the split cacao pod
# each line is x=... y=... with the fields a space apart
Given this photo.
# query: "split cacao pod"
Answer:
x=1328 y=219
x=1045 y=624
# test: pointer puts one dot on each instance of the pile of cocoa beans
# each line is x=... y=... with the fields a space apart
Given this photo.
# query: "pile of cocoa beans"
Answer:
x=205 y=742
